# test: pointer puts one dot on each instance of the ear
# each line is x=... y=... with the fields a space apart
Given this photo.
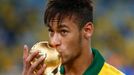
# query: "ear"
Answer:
x=88 y=30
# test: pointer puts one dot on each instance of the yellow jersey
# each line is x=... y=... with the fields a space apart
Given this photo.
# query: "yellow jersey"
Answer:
x=109 y=70
x=98 y=66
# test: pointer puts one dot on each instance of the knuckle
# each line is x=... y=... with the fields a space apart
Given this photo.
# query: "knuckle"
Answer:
x=32 y=67
x=40 y=72
x=24 y=58
x=27 y=61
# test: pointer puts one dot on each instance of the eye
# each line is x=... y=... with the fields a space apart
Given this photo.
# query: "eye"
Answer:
x=63 y=32
x=51 y=32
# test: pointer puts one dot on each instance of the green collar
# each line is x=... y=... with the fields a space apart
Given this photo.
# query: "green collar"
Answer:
x=95 y=66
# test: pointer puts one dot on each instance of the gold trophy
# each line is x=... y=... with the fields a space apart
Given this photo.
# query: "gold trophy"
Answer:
x=52 y=59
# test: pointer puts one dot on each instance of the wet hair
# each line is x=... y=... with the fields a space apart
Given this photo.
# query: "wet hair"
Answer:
x=82 y=10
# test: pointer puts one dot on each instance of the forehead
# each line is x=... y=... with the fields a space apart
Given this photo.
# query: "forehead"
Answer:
x=64 y=21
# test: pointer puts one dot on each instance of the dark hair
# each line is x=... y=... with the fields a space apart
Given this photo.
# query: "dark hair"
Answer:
x=81 y=9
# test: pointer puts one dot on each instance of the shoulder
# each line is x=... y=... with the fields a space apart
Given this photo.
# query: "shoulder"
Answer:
x=110 y=70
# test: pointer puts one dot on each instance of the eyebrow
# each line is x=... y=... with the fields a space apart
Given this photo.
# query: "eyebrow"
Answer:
x=62 y=26
x=53 y=20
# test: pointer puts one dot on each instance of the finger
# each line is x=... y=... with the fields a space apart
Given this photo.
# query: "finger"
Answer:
x=31 y=57
x=35 y=64
x=41 y=71
x=25 y=55
x=25 y=52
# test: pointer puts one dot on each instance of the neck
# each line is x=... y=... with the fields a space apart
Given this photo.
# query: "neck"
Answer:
x=78 y=66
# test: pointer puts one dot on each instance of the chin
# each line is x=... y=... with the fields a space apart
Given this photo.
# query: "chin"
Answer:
x=65 y=61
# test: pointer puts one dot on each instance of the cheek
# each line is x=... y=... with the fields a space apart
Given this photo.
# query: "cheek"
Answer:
x=71 y=45
x=71 y=42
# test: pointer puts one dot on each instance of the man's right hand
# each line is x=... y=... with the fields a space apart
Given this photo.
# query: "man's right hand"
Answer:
x=28 y=68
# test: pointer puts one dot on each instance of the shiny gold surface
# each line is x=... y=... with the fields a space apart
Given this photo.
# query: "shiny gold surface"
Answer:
x=52 y=59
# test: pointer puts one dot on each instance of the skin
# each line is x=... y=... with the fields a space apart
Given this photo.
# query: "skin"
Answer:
x=28 y=69
x=72 y=44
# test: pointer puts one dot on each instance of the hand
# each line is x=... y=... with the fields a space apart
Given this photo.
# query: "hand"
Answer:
x=28 y=68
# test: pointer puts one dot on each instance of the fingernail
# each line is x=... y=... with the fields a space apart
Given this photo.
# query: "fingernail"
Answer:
x=44 y=65
x=42 y=57
x=25 y=46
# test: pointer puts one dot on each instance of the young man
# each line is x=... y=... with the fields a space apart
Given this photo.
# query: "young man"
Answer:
x=71 y=27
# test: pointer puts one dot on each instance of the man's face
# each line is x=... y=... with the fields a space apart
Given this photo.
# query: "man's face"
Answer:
x=67 y=38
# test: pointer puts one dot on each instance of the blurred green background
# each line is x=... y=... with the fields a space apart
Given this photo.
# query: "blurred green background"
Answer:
x=21 y=22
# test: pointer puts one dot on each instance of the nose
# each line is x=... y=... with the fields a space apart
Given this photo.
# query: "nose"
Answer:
x=55 y=41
